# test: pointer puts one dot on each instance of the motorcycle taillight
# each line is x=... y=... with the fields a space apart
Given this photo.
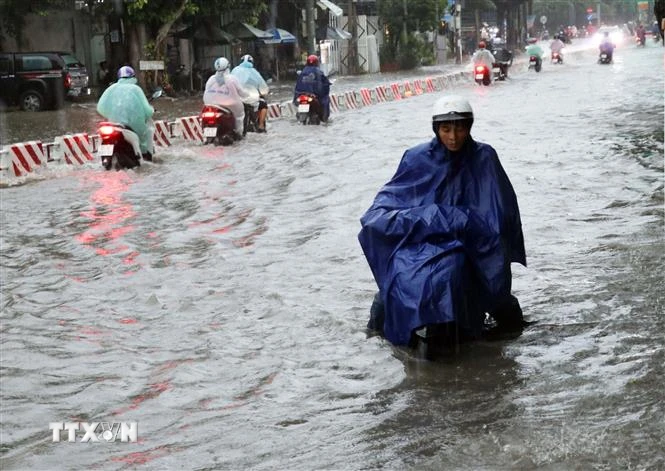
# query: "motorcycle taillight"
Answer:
x=68 y=80
x=106 y=131
x=209 y=115
x=480 y=68
x=304 y=99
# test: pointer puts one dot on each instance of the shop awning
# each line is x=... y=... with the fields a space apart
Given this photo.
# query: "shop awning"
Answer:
x=246 y=32
x=280 y=36
x=328 y=5
x=337 y=33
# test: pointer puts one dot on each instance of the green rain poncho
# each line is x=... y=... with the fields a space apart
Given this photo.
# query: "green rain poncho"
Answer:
x=534 y=50
x=124 y=103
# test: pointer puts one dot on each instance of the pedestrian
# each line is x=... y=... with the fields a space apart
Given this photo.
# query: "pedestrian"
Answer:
x=104 y=77
x=441 y=234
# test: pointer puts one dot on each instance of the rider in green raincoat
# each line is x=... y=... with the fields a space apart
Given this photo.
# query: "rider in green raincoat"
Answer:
x=124 y=102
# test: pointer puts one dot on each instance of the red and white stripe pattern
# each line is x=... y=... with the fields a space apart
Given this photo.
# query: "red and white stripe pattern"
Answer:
x=190 y=128
x=162 y=136
x=366 y=95
x=429 y=85
x=418 y=86
x=274 y=111
x=380 y=93
x=288 y=109
x=407 y=89
x=334 y=104
x=76 y=149
x=26 y=157
x=351 y=101
x=397 y=94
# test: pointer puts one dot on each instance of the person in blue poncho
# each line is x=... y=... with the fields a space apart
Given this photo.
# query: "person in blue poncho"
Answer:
x=124 y=102
x=312 y=80
x=257 y=89
x=440 y=237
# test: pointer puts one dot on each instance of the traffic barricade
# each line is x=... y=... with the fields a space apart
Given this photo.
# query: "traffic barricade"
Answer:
x=26 y=157
x=74 y=149
x=380 y=93
x=163 y=133
x=190 y=128
x=366 y=96
x=394 y=88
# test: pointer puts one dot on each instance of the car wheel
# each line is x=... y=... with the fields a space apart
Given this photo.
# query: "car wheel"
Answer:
x=32 y=100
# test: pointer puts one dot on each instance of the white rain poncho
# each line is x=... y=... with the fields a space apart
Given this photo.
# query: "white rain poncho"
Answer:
x=223 y=89
x=124 y=103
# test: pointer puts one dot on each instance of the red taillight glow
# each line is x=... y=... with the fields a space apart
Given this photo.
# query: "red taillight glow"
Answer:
x=304 y=99
x=68 y=80
x=210 y=114
x=480 y=68
x=106 y=131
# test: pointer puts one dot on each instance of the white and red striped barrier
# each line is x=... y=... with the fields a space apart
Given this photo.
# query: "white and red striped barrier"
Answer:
x=380 y=93
x=418 y=87
x=26 y=157
x=407 y=89
x=429 y=85
x=366 y=96
x=190 y=128
x=351 y=101
x=334 y=103
x=163 y=135
x=274 y=111
x=394 y=88
x=75 y=149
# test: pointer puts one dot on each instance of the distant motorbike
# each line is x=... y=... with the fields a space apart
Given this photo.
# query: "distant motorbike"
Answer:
x=218 y=125
x=481 y=74
x=535 y=63
x=604 y=58
x=504 y=59
x=557 y=58
x=309 y=109
x=119 y=146
x=640 y=40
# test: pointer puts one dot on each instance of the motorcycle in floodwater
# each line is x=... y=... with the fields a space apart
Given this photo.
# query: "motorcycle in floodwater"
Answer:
x=218 y=125
x=119 y=146
x=557 y=58
x=309 y=109
x=535 y=63
x=482 y=74
x=604 y=58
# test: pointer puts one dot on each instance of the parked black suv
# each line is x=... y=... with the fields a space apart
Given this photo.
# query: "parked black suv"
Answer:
x=37 y=81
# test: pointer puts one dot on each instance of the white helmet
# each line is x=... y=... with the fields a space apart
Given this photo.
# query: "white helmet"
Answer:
x=222 y=64
x=451 y=108
x=247 y=58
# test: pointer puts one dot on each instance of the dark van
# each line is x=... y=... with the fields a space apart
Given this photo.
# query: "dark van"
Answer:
x=34 y=81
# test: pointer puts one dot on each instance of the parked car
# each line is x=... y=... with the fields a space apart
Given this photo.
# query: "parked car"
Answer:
x=38 y=81
x=78 y=73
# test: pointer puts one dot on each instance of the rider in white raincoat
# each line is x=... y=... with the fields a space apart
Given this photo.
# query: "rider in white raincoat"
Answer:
x=223 y=89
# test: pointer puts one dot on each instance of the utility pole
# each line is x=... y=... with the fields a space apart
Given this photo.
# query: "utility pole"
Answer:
x=311 y=27
x=354 y=64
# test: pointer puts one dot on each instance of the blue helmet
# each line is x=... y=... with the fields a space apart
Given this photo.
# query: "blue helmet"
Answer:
x=126 y=72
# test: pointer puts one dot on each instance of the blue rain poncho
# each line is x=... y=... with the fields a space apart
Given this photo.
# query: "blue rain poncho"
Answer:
x=440 y=237
x=124 y=103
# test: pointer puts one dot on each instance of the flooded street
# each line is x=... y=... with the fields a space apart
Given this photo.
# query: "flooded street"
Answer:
x=219 y=296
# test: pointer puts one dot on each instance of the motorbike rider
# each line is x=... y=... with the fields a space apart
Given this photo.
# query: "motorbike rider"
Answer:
x=223 y=89
x=441 y=234
x=534 y=49
x=607 y=46
x=484 y=57
x=313 y=80
x=641 y=33
x=502 y=56
x=557 y=46
x=257 y=88
x=124 y=102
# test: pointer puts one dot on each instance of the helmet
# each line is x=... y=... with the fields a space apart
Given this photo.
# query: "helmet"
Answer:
x=222 y=64
x=247 y=58
x=481 y=44
x=312 y=60
x=450 y=108
x=126 y=72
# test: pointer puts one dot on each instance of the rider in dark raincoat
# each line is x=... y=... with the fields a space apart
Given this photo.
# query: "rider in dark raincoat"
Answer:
x=441 y=235
x=313 y=80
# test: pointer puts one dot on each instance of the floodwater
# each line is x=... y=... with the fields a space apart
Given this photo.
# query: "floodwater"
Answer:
x=218 y=297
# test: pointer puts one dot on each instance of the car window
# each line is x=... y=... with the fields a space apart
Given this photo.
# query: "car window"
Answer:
x=71 y=61
x=33 y=62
